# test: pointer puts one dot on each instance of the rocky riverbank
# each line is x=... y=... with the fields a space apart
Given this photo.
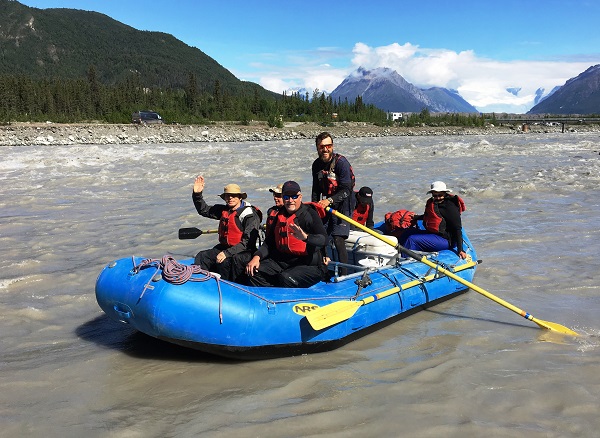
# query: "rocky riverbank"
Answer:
x=22 y=134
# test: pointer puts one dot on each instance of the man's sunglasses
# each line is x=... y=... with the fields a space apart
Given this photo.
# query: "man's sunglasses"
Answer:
x=294 y=197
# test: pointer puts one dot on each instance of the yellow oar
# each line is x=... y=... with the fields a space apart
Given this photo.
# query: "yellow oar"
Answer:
x=423 y=259
x=339 y=311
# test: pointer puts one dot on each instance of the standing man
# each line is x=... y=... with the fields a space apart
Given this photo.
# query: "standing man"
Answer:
x=238 y=230
x=291 y=255
x=333 y=185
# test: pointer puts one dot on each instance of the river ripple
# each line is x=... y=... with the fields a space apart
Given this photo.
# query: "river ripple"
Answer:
x=467 y=367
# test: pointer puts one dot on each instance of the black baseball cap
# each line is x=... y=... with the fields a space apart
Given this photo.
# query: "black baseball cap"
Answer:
x=365 y=195
x=290 y=187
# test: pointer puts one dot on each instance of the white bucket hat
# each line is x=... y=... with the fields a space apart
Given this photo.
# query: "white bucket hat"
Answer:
x=439 y=186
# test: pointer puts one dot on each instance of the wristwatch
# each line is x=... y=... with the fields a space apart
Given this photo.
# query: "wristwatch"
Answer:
x=330 y=201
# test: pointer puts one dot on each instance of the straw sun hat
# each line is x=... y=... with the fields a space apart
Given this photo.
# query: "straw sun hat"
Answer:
x=233 y=189
x=277 y=189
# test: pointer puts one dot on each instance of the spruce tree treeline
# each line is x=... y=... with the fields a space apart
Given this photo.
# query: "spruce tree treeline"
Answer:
x=425 y=118
x=60 y=100
x=25 y=99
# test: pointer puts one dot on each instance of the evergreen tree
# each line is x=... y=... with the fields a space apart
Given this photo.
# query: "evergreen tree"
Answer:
x=94 y=90
x=191 y=94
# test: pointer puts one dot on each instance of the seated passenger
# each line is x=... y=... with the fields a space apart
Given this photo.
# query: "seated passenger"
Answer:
x=442 y=222
x=238 y=230
x=291 y=254
x=272 y=211
x=363 y=210
x=277 y=200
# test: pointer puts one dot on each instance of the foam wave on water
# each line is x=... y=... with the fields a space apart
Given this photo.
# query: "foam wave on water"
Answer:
x=32 y=313
x=6 y=282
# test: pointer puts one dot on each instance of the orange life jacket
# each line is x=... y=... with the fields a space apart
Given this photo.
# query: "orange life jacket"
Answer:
x=361 y=213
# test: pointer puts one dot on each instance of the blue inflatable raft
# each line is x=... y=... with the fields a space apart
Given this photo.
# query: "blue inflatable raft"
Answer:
x=164 y=299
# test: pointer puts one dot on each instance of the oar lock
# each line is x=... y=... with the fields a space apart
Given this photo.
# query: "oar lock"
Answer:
x=363 y=281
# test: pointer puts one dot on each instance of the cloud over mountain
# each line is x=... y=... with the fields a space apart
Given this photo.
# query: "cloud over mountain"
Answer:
x=487 y=84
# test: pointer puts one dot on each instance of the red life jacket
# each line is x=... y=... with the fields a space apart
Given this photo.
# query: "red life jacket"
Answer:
x=329 y=180
x=361 y=213
x=230 y=225
x=284 y=239
x=433 y=221
x=271 y=217
x=399 y=220
x=274 y=211
x=320 y=210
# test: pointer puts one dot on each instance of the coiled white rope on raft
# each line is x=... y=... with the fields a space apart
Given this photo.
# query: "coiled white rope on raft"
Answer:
x=177 y=273
x=174 y=272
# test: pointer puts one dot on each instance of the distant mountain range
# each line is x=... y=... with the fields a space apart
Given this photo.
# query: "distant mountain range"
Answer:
x=579 y=95
x=386 y=89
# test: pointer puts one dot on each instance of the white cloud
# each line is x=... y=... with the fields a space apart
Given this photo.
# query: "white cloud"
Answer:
x=482 y=82
x=310 y=69
x=384 y=56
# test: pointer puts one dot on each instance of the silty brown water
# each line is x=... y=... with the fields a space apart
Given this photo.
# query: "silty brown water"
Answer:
x=467 y=367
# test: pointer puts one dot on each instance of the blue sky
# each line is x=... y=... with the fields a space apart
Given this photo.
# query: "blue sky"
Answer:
x=479 y=48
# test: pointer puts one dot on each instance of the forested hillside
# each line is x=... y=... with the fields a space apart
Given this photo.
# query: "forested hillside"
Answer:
x=64 y=43
x=68 y=65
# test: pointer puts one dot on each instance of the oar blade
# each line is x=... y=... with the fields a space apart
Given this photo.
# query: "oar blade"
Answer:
x=189 y=233
x=555 y=327
x=332 y=314
x=423 y=259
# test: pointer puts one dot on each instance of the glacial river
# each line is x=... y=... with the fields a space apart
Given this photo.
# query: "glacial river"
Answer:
x=465 y=368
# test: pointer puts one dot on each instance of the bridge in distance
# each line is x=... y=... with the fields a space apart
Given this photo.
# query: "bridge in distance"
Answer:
x=538 y=119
